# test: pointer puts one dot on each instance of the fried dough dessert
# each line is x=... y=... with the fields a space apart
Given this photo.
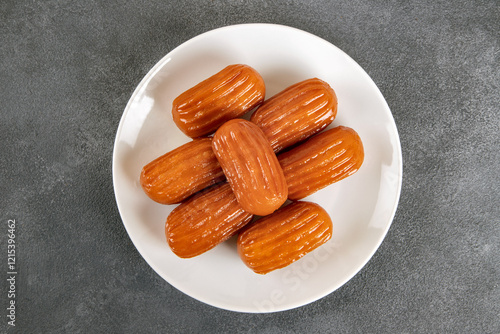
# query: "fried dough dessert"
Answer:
x=325 y=158
x=277 y=240
x=204 y=221
x=296 y=113
x=228 y=94
x=250 y=166
x=178 y=174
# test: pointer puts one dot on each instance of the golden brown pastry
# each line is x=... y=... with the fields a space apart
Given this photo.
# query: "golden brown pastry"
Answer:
x=296 y=113
x=277 y=240
x=181 y=172
x=323 y=159
x=204 y=221
x=250 y=166
x=228 y=94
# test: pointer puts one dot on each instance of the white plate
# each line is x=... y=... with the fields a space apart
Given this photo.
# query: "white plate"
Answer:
x=361 y=207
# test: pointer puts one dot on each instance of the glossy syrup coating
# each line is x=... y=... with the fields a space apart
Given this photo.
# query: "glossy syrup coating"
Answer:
x=325 y=158
x=178 y=174
x=296 y=113
x=277 y=240
x=250 y=166
x=204 y=221
x=228 y=94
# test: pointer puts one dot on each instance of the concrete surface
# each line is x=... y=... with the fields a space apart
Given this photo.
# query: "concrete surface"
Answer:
x=67 y=70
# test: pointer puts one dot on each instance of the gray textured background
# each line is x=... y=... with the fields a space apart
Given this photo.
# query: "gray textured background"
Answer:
x=68 y=69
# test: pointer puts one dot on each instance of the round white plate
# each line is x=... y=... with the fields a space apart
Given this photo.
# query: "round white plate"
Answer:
x=361 y=207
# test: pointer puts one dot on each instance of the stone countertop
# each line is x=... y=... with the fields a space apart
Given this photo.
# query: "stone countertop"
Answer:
x=68 y=69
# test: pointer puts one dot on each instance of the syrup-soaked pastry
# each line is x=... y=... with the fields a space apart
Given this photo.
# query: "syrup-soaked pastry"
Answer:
x=204 y=221
x=178 y=174
x=277 y=240
x=296 y=113
x=228 y=94
x=250 y=166
x=325 y=158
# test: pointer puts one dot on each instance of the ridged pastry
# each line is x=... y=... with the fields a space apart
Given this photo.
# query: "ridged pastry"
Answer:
x=277 y=240
x=296 y=113
x=204 y=221
x=228 y=94
x=250 y=166
x=325 y=158
x=181 y=172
